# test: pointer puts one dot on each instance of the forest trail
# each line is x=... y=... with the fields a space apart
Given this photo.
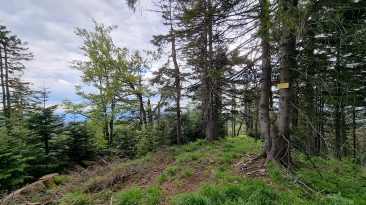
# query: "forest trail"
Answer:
x=197 y=172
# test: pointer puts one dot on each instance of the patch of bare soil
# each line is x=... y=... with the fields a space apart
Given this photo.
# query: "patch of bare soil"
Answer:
x=248 y=165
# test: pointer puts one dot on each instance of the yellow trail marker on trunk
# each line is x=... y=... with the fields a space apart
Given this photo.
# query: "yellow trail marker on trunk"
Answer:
x=283 y=85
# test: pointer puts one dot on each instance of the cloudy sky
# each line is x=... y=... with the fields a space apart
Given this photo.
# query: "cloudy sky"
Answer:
x=48 y=27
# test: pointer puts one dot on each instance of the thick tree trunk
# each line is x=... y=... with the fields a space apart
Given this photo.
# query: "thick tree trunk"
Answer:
x=264 y=101
x=280 y=133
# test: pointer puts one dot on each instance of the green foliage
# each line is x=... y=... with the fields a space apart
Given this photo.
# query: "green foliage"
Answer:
x=192 y=122
x=14 y=162
x=125 y=140
x=135 y=196
x=79 y=144
x=148 y=141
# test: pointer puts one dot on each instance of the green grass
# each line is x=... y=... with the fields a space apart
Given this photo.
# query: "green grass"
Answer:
x=337 y=179
x=76 y=198
x=162 y=178
x=246 y=192
x=187 y=172
x=152 y=195
x=340 y=182
x=171 y=171
x=60 y=180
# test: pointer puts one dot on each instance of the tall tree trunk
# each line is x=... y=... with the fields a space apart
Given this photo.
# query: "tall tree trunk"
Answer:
x=312 y=141
x=338 y=106
x=265 y=95
x=280 y=133
x=233 y=124
x=211 y=116
x=177 y=86
x=354 y=137
x=7 y=89
x=2 y=82
x=111 y=123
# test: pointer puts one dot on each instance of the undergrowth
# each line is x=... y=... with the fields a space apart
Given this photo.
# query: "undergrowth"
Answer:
x=334 y=182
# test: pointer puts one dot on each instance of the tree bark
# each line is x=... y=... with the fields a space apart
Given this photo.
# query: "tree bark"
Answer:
x=265 y=95
x=354 y=137
x=338 y=107
x=177 y=85
x=7 y=89
x=280 y=133
x=211 y=116
x=2 y=82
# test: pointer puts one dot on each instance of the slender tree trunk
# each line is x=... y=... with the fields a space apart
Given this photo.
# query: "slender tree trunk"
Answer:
x=233 y=109
x=111 y=124
x=238 y=132
x=211 y=116
x=312 y=141
x=265 y=95
x=2 y=82
x=143 y=120
x=280 y=133
x=354 y=137
x=8 y=111
x=177 y=86
x=149 y=114
x=338 y=107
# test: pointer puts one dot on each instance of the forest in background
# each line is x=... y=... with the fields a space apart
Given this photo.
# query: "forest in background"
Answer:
x=223 y=61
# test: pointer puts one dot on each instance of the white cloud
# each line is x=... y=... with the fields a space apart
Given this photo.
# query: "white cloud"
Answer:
x=48 y=27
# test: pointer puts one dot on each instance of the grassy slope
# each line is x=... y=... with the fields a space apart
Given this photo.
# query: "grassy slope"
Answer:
x=205 y=173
